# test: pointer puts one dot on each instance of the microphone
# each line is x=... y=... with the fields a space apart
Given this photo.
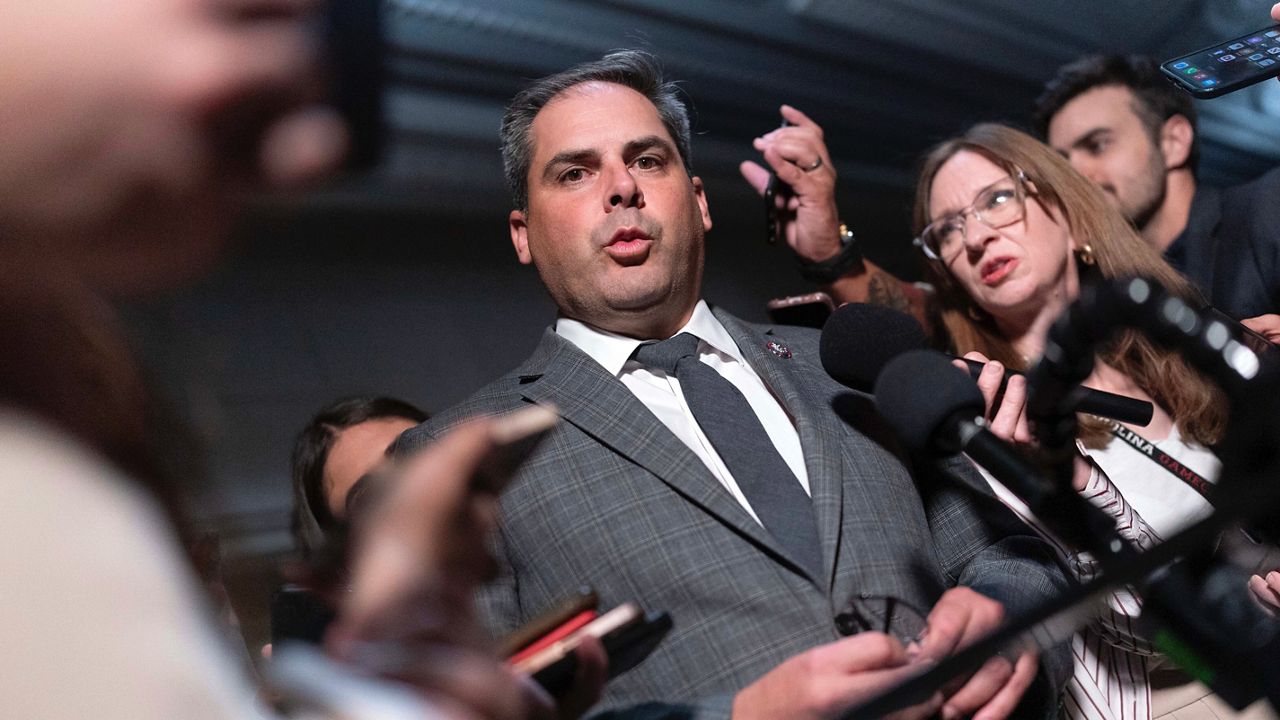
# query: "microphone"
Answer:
x=932 y=407
x=859 y=340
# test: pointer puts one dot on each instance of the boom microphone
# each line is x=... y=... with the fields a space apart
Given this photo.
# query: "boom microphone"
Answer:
x=860 y=339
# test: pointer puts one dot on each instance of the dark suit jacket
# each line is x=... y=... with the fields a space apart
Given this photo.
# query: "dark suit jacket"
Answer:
x=1231 y=246
x=612 y=499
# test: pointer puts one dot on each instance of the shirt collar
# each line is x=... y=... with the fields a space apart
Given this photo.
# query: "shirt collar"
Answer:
x=613 y=351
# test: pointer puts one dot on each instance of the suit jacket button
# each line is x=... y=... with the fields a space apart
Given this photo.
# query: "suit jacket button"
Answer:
x=846 y=624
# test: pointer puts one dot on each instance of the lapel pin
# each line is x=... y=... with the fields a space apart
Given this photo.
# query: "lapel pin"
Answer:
x=779 y=349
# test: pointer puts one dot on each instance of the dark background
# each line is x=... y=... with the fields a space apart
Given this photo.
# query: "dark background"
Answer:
x=404 y=282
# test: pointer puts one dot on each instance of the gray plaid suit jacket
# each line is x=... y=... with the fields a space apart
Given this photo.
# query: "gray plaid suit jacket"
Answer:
x=612 y=499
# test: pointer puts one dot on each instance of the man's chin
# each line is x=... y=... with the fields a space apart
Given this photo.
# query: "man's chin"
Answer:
x=636 y=304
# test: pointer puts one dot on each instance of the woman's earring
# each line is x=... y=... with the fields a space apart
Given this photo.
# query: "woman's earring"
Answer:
x=1085 y=254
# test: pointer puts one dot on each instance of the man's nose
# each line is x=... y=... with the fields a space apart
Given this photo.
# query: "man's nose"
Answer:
x=621 y=189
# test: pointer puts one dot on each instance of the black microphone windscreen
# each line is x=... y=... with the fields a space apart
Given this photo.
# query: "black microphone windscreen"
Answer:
x=860 y=339
x=919 y=390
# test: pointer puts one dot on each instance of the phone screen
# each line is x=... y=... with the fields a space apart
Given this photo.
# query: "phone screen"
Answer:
x=1228 y=66
x=298 y=615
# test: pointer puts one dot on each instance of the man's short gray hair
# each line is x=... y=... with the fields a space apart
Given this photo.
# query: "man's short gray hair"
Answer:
x=634 y=69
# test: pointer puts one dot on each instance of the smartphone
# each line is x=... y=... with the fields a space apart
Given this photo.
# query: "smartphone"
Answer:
x=549 y=621
x=1256 y=342
x=298 y=615
x=776 y=192
x=354 y=51
x=628 y=636
x=1227 y=66
x=811 y=310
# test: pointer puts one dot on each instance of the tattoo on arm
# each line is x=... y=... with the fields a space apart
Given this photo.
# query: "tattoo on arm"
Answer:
x=919 y=302
x=885 y=289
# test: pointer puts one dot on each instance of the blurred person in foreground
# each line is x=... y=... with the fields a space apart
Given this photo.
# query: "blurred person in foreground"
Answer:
x=1010 y=232
x=712 y=479
x=129 y=131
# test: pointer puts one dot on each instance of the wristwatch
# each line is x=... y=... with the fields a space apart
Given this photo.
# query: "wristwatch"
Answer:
x=831 y=269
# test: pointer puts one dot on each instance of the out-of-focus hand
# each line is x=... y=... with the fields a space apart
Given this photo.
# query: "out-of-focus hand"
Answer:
x=588 y=680
x=830 y=679
x=1267 y=591
x=138 y=123
x=1275 y=12
x=424 y=538
x=798 y=155
x=1268 y=326
x=419 y=553
x=960 y=617
x=463 y=683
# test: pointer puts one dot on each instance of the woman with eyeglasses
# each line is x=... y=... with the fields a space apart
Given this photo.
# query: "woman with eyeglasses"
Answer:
x=1009 y=232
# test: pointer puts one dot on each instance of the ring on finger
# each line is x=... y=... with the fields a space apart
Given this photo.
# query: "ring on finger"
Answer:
x=810 y=168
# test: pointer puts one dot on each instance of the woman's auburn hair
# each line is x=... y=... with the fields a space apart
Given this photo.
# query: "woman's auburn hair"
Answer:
x=1196 y=406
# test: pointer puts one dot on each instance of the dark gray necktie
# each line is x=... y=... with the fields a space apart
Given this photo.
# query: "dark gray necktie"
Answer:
x=728 y=421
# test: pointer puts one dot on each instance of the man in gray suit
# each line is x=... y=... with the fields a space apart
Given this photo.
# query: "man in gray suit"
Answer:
x=635 y=496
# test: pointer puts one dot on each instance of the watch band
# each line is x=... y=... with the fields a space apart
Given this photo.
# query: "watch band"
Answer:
x=829 y=270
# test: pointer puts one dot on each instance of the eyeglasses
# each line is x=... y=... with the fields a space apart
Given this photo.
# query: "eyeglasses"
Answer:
x=998 y=205
x=889 y=615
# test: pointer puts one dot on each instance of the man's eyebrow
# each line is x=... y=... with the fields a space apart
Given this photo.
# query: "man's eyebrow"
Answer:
x=567 y=157
x=1089 y=136
x=648 y=142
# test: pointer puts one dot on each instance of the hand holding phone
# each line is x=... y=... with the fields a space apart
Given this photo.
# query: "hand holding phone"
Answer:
x=776 y=196
x=628 y=635
x=797 y=181
x=427 y=533
x=298 y=615
x=1227 y=66
x=550 y=622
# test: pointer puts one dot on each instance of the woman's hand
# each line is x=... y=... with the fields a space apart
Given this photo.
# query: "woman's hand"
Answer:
x=1006 y=411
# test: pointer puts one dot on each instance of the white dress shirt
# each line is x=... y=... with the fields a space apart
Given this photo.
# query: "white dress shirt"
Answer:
x=662 y=395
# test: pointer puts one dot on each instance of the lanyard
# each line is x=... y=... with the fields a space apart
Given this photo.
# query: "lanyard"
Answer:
x=1163 y=459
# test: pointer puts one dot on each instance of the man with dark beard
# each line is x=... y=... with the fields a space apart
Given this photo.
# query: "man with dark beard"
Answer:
x=1120 y=123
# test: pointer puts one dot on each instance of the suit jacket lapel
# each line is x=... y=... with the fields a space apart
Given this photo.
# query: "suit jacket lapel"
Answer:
x=597 y=403
x=820 y=433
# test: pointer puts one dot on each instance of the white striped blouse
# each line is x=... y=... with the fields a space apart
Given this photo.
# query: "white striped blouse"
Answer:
x=1109 y=678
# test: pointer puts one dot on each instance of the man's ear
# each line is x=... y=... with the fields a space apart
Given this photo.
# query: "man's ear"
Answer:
x=1176 y=138
x=701 y=195
x=520 y=235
